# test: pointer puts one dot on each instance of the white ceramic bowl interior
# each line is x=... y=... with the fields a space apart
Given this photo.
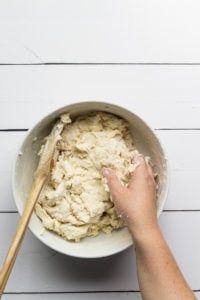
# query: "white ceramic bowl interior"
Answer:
x=26 y=163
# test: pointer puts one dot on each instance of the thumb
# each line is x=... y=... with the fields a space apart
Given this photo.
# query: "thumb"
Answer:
x=113 y=182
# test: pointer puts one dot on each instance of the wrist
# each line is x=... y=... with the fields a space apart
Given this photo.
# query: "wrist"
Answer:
x=141 y=232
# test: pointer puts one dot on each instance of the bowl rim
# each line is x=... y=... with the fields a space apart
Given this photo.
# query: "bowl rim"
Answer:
x=56 y=111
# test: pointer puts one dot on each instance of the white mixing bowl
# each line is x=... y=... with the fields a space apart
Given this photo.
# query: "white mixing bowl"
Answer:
x=26 y=163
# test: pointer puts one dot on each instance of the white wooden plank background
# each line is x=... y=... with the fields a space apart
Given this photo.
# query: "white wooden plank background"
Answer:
x=183 y=157
x=40 y=269
x=165 y=96
x=99 y=31
x=144 y=55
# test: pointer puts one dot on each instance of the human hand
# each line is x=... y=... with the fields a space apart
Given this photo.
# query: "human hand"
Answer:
x=136 y=203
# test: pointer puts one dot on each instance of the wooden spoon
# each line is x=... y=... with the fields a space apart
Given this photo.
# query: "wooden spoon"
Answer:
x=44 y=167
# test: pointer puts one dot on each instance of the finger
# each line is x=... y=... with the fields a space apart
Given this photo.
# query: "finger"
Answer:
x=139 y=171
x=149 y=169
x=113 y=181
x=150 y=174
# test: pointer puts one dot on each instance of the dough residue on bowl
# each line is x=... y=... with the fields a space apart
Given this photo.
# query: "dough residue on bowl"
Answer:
x=75 y=202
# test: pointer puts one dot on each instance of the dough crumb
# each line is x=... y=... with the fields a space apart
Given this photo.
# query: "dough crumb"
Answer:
x=65 y=118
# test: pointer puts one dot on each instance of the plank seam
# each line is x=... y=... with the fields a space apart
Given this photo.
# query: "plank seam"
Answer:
x=13 y=129
x=71 y=292
x=181 y=210
x=104 y=63
x=178 y=129
x=8 y=212
x=156 y=129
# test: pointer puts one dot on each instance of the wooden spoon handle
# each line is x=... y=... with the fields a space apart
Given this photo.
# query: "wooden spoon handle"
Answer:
x=20 y=232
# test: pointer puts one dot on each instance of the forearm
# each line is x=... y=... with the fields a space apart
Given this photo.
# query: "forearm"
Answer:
x=158 y=274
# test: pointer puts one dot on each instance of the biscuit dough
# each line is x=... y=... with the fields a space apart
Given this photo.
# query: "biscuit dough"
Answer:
x=75 y=202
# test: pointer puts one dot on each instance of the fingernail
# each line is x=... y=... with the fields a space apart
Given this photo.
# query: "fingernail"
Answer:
x=105 y=172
